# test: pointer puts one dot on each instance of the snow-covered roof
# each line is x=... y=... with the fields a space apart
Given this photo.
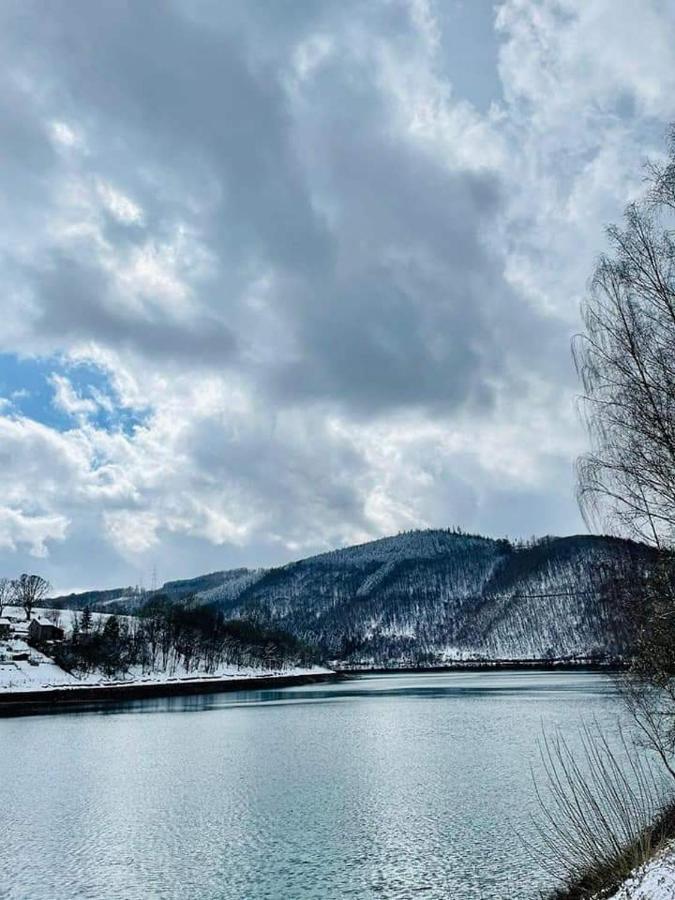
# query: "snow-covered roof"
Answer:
x=42 y=621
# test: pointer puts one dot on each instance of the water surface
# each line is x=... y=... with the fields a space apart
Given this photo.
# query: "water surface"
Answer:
x=395 y=786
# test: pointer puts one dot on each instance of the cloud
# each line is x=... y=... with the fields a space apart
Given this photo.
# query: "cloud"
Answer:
x=32 y=532
x=67 y=399
x=120 y=207
x=327 y=279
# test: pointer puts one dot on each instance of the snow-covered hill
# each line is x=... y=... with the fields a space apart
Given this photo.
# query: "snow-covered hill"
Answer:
x=429 y=597
x=436 y=596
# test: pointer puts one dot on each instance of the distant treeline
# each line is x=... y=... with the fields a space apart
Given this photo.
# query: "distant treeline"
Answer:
x=169 y=637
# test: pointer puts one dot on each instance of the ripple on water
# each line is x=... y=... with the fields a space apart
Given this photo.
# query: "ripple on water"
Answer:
x=385 y=787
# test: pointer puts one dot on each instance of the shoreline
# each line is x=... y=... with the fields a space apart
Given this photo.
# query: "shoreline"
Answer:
x=66 y=699
x=503 y=665
x=69 y=698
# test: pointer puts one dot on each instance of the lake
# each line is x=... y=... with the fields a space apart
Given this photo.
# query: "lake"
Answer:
x=394 y=786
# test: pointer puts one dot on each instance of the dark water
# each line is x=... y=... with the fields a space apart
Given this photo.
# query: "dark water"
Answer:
x=398 y=786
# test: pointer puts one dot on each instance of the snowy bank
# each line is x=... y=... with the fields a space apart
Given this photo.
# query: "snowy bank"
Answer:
x=61 y=697
x=40 y=673
x=31 y=669
x=654 y=881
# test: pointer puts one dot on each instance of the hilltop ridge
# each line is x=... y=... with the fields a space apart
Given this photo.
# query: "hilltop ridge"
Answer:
x=428 y=597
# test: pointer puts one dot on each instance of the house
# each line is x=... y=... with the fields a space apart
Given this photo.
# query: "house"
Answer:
x=44 y=630
x=5 y=627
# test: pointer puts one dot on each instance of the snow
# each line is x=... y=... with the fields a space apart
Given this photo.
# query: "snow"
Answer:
x=432 y=597
x=654 y=881
x=46 y=675
x=40 y=672
x=23 y=675
x=233 y=586
x=63 y=618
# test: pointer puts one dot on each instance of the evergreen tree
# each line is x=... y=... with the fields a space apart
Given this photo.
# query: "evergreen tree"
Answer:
x=85 y=620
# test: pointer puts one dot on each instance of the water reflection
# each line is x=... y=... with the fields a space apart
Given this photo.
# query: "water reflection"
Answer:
x=429 y=686
x=377 y=787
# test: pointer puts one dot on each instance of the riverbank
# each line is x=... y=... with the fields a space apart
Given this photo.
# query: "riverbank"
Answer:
x=59 y=696
x=501 y=665
x=55 y=699
x=635 y=871
x=654 y=881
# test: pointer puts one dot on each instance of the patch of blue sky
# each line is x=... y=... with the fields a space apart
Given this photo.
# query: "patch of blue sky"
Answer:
x=27 y=389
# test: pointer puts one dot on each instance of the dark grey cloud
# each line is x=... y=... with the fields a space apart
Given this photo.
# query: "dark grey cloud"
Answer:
x=78 y=302
x=164 y=92
x=338 y=284
x=389 y=300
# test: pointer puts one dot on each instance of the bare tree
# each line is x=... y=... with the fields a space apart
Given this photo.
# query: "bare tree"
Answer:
x=648 y=688
x=6 y=593
x=604 y=811
x=30 y=590
x=626 y=360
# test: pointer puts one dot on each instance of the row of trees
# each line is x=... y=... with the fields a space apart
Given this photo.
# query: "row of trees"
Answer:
x=170 y=637
x=26 y=591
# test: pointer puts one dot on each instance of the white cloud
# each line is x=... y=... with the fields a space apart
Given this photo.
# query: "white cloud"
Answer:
x=64 y=135
x=118 y=204
x=68 y=400
x=339 y=294
x=131 y=532
x=17 y=529
x=589 y=89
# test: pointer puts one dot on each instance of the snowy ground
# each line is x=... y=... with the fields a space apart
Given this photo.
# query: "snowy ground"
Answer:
x=63 y=617
x=39 y=672
x=46 y=675
x=655 y=881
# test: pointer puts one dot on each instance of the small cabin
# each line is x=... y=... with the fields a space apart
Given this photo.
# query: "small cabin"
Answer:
x=44 y=630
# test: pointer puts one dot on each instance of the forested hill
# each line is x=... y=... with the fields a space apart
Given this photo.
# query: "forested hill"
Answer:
x=429 y=597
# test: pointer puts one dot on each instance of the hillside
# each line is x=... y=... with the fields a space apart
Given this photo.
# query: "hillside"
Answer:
x=430 y=597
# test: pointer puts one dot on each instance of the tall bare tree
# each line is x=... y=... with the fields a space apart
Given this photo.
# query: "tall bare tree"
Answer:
x=29 y=590
x=626 y=360
x=6 y=593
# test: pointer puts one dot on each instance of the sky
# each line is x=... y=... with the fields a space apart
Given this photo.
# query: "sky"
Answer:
x=279 y=277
